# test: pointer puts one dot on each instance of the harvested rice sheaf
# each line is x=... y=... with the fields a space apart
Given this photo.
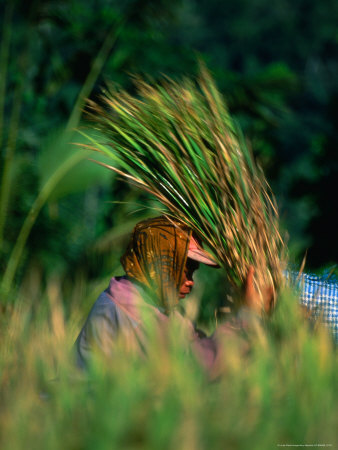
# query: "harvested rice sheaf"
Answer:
x=178 y=142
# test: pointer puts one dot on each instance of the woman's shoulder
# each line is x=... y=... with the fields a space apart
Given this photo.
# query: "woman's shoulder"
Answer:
x=121 y=300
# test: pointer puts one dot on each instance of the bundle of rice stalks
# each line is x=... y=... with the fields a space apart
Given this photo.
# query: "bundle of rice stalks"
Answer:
x=178 y=142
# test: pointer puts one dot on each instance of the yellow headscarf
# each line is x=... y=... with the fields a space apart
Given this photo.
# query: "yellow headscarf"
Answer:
x=156 y=257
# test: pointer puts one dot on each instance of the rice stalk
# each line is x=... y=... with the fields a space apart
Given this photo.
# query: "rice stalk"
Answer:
x=93 y=75
x=40 y=201
x=178 y=142
x=13 y=127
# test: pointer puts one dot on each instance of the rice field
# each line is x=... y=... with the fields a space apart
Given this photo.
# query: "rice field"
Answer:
x=282 y=392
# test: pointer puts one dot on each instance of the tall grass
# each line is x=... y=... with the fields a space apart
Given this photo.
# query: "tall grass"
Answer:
x=13 y=127
x=65 y=166
x=284 y=391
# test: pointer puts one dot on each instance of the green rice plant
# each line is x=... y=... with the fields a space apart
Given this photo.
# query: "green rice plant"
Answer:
x=283 y=391
x=177 y=141
x=13 y=128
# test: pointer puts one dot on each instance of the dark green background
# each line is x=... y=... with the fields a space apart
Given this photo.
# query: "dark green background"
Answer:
x=276 y=63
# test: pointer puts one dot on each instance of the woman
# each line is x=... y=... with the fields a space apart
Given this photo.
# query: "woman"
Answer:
x=159 y=263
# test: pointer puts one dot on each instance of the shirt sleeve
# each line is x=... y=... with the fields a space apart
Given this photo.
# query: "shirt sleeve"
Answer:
x=319 y=294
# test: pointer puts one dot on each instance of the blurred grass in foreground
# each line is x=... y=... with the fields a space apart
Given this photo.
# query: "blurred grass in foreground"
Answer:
x=283 y=392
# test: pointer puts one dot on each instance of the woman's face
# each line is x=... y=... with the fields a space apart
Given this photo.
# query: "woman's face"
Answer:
x=187 y=280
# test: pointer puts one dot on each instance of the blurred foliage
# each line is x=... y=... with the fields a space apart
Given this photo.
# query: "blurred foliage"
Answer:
x=283 y=391
x=274 y=62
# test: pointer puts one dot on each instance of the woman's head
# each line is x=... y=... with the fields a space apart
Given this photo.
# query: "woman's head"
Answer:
x=157 y=257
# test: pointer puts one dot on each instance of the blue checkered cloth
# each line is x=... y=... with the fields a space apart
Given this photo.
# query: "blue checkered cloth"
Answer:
x=320 y=295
